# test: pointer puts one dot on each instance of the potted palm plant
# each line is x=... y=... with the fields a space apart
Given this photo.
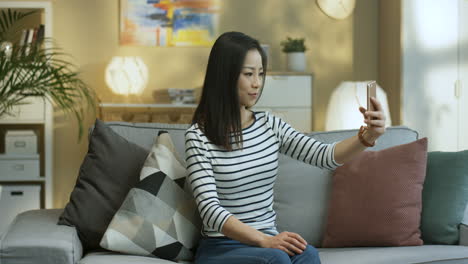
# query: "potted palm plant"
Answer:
x=295 y=53
x=39 y=70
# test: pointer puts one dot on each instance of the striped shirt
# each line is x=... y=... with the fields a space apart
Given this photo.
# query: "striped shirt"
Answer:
x=240 y=182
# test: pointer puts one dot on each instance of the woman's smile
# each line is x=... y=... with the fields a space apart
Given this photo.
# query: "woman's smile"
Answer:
x=253 y=95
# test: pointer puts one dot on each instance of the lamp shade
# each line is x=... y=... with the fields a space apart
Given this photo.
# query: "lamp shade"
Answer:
x=127 y=75
x=343 y=108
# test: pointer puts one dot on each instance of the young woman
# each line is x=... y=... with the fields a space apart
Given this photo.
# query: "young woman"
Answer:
x=232 y=159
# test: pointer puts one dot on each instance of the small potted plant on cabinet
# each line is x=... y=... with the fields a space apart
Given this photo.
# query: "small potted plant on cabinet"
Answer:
x=295 y=53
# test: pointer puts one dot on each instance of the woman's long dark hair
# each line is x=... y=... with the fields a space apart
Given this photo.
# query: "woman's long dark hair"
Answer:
x=218 y=113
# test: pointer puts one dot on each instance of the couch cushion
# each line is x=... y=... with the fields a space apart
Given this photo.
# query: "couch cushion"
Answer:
x=445 y=196
x=304 y=210
x=450 y=261
x=376 y=198
x=110 y=168
x=378 y=255
x=35 y=237
x=312 y=185
x=393 y=255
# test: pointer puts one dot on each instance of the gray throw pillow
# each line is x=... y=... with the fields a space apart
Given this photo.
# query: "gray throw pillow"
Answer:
x=444 y=196
x=109 y=170
x=158 y=217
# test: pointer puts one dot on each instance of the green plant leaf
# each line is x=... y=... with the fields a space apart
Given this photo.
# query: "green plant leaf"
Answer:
x=41 y=70
x=8 y=19
x=293 y=45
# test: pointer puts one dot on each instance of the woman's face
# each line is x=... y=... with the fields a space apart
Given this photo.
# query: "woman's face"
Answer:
x=250 y=80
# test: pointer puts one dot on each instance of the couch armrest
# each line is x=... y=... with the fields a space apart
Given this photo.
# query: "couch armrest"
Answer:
x=35 y=237
x=463 y=235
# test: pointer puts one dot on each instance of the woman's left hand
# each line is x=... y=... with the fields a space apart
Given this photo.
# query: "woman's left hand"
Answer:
x=375 y=120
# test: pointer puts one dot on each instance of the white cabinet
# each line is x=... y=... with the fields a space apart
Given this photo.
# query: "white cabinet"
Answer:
x=289 y=97
x=15 y=199
x=434 y=71
x=26 y=179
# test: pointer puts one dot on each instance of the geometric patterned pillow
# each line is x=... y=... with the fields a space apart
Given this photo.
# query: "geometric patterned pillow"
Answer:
x=158 y=217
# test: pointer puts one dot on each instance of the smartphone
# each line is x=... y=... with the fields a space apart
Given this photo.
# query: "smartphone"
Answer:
x=371 y=92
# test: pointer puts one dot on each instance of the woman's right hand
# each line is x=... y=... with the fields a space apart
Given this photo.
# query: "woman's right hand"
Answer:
x=289 y=242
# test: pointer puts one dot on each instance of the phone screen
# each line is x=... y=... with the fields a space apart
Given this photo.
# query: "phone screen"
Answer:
x=371 y=92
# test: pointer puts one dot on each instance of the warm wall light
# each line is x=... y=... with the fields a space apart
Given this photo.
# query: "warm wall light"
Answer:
x=343 y=108
x=127 y=75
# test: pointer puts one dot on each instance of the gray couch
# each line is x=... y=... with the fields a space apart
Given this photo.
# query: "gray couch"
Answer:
x=301 y=205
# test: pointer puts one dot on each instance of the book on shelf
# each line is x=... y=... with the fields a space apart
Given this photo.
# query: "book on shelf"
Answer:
x=40 y=33
x=24 y=34
x=34 y=38
x=30 y=37
x=29 y=40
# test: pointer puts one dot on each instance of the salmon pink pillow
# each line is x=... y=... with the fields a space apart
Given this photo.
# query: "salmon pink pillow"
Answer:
x=376 y=198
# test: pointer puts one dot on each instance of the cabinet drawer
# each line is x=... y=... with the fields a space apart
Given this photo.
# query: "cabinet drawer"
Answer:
x=33 y=111
x=286 y=91
x=300 y=119
x=19 y=167
x=15 y=199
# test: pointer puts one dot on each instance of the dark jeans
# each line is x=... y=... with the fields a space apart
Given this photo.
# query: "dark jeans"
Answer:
x=228 y=251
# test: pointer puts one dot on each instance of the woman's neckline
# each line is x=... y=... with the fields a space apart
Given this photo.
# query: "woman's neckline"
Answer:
x=253 y=122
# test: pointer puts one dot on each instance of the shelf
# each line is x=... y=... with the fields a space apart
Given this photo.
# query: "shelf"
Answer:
x=288 y=73
x=46 y=6
x=21 y=122
x=6 y=156
x=36 y=115
x=6 y=179
x=147 y=113
x=117 y=105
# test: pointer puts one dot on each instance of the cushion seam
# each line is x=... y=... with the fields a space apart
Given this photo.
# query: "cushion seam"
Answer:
x=433 y=261
x=73 y=248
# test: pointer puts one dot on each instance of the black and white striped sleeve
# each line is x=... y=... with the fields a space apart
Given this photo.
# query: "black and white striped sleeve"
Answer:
x=303 y=148
x=202 y=182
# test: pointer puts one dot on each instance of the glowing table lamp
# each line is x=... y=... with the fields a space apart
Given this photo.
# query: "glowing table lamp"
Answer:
x=127 y=75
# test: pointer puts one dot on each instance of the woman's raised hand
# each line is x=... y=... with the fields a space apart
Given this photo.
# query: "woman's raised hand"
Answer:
x=375 y=120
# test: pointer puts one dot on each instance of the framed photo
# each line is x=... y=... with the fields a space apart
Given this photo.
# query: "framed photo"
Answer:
x=168 y=23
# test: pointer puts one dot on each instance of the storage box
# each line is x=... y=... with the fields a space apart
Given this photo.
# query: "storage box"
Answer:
x=20 y=142
x=15 y=199
x=20 y=167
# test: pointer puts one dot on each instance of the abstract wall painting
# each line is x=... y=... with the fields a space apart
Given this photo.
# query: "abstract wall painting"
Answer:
x=169 y=23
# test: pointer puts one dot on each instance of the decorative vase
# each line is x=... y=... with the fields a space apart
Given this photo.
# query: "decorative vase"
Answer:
x=296 y=61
